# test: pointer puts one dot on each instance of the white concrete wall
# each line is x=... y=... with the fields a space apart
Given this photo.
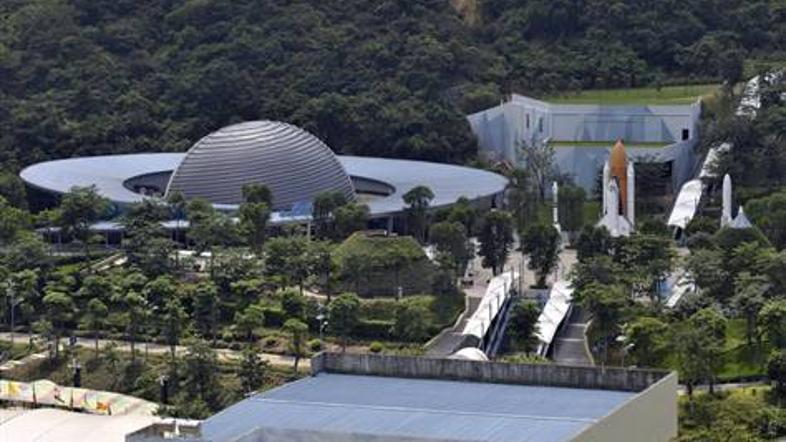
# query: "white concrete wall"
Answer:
x=501 y=129
x=650 y=417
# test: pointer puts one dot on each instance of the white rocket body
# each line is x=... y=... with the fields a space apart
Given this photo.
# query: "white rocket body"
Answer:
x=726 y=213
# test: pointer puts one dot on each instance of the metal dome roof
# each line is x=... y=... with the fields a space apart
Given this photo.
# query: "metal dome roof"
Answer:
x=292 y=163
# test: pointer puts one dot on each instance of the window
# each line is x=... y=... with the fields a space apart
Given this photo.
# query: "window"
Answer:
x=685 y=134
x=527 y=121
x=540 y=124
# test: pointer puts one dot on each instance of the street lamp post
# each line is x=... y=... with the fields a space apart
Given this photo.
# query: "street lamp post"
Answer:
x=77 y=367
x=322 y=318
x=163 y=383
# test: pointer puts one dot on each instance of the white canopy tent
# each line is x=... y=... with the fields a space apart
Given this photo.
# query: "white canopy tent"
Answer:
x=496 y=294
x=554 y=312
x=687 y=203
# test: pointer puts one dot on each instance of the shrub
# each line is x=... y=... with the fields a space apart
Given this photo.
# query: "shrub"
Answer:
x=373 y=329
x=378 y=309
x=293 y=304
x=271 y=341
x=376 y=347
x=315 y=345
x=274 y=317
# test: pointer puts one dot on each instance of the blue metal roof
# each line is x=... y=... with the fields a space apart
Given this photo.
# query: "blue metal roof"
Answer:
x=108 y=173
x=417 y=408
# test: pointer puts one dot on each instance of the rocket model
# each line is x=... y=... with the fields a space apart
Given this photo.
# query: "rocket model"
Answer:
x=727 y=220
x=726 y=213
x=619 y=193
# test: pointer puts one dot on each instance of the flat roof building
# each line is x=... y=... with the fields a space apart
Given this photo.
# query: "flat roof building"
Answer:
x=393 y=398
x=293 y=164
x=583 y=134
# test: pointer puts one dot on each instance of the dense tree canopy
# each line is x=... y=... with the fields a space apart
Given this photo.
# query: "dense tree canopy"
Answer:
x=390 y=78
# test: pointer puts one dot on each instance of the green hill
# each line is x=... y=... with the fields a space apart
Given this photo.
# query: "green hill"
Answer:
x=389 y=78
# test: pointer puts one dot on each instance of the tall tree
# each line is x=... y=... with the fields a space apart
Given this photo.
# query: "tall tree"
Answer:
x=418 y=200
x=200 y=374
x=13 y=221
x=207 y=309
x=135 y=314
x=496 y=238
x=772 y=318
x=289 y=258
x=258 y=194
x=59 y=311
x=254 y=219
x=79 y=209
x=748 y=300
x=411 y=321
x=350 y=218
x=523 y=325
x=148 y=244
x=174 y=322
x=28 y=251
x=322 y=264
x=177 y=208
x=159 y=291
x=571 y=208
x=522 y=199
x=343 y=315
x=253 y=370
x=592 y=241
x=451 y=242
x=538 y=159
x=298 y=331
x=711 y=325
x=542 y=244
x=95 y=319
x=250 y=320
x=323 y=213
x=607 y=305
x=776 y=371
x=208 y=228
x=463 y=212
x=647 y=339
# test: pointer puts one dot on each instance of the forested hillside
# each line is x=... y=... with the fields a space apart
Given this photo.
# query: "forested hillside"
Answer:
x=370 y=77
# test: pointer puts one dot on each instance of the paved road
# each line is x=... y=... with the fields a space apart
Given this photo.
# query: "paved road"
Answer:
x=224 y=354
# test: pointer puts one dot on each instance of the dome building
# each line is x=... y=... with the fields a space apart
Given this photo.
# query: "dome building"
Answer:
x=295 y=165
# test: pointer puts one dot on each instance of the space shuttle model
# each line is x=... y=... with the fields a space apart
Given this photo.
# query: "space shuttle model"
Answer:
x=619 y=193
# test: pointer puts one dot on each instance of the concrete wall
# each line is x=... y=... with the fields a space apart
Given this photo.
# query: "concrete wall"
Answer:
x=660 y=124
x=584 y=164
x=651 y=416
x=501 y=130
x=619 y=379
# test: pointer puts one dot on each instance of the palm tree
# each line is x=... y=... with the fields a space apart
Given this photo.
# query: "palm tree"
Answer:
x=418 y=200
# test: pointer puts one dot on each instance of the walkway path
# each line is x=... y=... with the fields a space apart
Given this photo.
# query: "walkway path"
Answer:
x=224 y=354
x=570 y=347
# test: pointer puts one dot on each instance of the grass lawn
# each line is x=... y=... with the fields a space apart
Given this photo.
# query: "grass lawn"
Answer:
x=741 y=359
x=19 y=350
x=649 y=95
x=591 y=212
